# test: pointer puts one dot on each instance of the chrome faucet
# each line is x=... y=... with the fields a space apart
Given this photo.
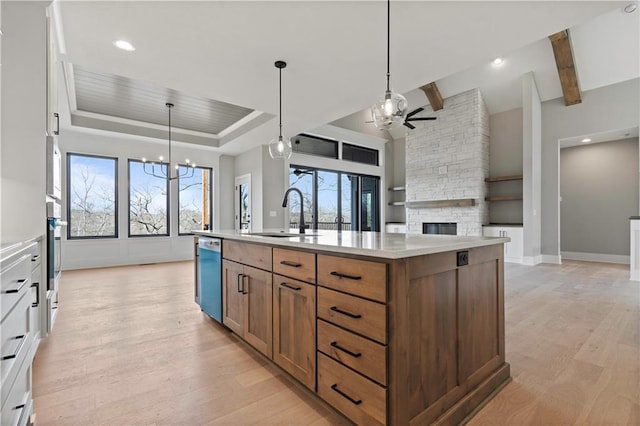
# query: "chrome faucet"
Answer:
x=284 y=204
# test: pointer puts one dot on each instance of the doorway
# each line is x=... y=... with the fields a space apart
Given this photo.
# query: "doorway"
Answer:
x=243 y=203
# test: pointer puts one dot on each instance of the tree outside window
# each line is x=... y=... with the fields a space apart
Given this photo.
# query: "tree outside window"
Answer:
x=92 y=196
x=148 y=201
x=194 y=196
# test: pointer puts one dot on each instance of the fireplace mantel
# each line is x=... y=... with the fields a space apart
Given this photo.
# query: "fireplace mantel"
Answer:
x=434 y=204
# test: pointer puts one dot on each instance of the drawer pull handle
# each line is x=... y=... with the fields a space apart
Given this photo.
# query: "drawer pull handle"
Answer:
x=238 y=282
x=244 y=289
x=347 y=351
x=290 y=286
x=17 y=289
x=350 y=277
x=37 y=302
x=35 y=257
x=293 y=264
x=354 y=401
x=18 y=349
x=349 y=314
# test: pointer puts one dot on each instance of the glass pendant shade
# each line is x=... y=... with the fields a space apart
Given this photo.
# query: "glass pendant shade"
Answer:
x=390 y=111
x=280 y=148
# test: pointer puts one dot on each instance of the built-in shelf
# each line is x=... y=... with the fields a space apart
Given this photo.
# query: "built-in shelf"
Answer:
x=397 y=188
x=504 y=198
x=460 y=202
x=502 y=178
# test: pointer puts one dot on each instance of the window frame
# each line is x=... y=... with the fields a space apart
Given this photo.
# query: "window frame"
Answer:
x=168 y=196
x=116 y=200
x=210 y=198
x=362 y=149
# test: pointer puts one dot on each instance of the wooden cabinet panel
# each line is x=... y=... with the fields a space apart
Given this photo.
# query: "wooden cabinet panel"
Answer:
x=363 y=355
x=295 y=264
x=255 y=255
x=360 y=277
x=433 y=359
x=360 y=399
x=294 y=328
x=258 y=315
x=353 y=313
x=233 y=301
x=477 y=317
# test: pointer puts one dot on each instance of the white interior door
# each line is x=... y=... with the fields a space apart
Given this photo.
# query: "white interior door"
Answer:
x=243 y=203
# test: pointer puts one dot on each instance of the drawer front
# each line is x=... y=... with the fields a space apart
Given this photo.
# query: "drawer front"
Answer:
x=295 y=264
x=254 y=255
x=363 y=355
x=359 y=277
x=355 y=314
x=36 y=256
x=358 y=398
x=15 y=283
x=16 y=343
x=17 y=408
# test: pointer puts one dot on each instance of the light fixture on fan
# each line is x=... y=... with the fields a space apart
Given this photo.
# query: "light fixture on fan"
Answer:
x=391 y=110
x=168 y=175
x=280 y=147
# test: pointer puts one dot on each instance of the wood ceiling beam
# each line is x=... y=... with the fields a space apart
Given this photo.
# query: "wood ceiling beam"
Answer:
x=434 y=96
x=561 y=44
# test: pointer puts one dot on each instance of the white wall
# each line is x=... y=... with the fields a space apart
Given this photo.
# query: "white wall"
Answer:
x=23 y=150
x=251 y=162
x=225 y=187
x=605 y=109
x=123 y=250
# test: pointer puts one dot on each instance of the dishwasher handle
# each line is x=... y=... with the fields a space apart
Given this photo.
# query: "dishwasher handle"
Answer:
x=212 y=244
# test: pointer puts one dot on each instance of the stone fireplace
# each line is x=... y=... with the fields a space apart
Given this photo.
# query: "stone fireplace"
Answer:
x=446 y=163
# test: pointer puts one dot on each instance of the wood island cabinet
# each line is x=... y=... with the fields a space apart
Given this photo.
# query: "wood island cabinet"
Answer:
x=414 y=340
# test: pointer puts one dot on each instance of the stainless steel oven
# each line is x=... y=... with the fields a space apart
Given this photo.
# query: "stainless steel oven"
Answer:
x=54 y=259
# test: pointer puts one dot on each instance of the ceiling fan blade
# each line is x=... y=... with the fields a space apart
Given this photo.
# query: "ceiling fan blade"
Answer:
x=421 y=118
x=409 y=125
x=414 y=112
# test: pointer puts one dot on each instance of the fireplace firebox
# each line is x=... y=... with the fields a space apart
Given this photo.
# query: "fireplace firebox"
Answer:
x=443 y=228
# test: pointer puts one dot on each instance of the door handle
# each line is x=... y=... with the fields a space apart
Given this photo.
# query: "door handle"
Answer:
x=244 y=290
x=37 y=286
x=238 y=282
x=57 y=130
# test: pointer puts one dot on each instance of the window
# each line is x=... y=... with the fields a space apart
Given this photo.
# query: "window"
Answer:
x=314 y=145
x=334 y=200
x=148 y=201
x=194 y=199
x=359 y=154
x=92 y=201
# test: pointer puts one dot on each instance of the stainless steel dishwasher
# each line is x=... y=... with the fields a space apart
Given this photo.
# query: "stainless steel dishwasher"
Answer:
x=210 y=276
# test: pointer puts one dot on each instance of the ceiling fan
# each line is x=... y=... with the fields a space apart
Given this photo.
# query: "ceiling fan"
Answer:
x=410 y=117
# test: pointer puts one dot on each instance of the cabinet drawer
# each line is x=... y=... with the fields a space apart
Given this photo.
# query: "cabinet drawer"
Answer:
x=249 y=254
x=363 y=355
x=17 y=407
x=355 y=314
x=359 y=277
x=357 y=397
x=16 y=343
x=295 y=264
x=15 y=282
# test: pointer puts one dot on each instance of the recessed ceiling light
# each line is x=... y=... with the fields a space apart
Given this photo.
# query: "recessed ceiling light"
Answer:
x=585 y=140
x=630 y=8
x=124 y=45
x=497 y=61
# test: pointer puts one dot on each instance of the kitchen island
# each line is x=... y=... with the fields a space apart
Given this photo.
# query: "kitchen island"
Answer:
x=386 y=328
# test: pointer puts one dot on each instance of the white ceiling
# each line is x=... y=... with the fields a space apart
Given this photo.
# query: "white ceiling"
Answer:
x=336 y=50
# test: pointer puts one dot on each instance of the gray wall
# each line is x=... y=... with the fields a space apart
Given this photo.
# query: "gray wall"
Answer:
x=225 y=186
x=505 y=158
x=531 y=169
x=273 y=189
x=23 y=149
x=608 y=108
x=599 y=188
x=251 y=162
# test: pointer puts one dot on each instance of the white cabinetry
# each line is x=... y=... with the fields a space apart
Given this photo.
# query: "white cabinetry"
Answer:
x=513 y=250
x=399 y=228
x=53 y=118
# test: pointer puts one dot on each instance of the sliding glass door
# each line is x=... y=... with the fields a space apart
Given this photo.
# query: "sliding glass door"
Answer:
x=335 y=200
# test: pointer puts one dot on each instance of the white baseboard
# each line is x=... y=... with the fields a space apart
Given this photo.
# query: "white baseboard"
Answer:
x=532 y=260
x=551 y=258
x=597 y=257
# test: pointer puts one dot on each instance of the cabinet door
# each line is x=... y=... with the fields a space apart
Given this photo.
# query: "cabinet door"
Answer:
x=233 y=299
x=294 y=328
x=514 y=251
x=257 y=293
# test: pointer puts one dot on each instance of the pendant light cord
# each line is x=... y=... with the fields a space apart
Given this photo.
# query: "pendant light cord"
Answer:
x=169 y=105
x=388 y=41
x=280 y=85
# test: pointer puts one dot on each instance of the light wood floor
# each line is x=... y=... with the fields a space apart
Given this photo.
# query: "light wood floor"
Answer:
x=131 y=347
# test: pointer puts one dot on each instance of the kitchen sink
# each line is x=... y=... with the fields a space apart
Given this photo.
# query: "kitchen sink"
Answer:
x=280 y=234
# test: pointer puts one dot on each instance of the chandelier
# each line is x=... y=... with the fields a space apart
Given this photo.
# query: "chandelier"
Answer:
x=164 y=169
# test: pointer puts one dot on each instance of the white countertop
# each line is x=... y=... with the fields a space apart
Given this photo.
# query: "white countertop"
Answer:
x=374 y=244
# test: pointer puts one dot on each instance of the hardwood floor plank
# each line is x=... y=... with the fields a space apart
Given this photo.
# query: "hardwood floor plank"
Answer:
x=131 y=347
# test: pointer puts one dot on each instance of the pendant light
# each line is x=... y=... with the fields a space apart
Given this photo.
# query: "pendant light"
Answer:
x=390 y=111
x=164 y=169
x=280 y=148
